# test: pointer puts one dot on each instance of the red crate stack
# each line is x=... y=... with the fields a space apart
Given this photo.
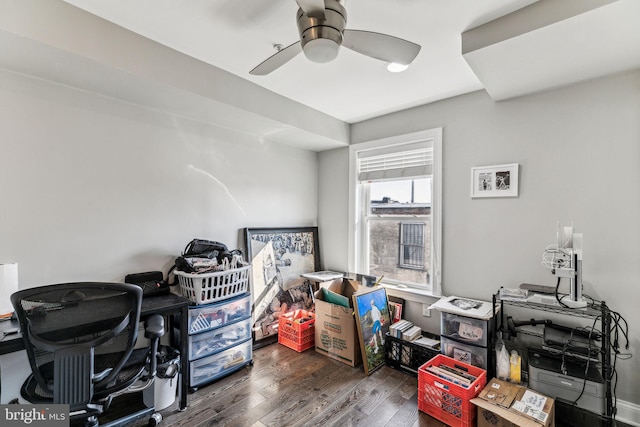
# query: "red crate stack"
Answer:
x=445 y=398
x=296 y=330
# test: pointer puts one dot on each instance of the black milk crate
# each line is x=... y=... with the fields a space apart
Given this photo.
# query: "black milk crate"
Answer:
x=406 y=356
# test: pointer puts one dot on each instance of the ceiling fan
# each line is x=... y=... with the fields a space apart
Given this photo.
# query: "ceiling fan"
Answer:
x=321 y=25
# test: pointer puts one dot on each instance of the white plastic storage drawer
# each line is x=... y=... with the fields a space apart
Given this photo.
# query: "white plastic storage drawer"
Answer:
x=209 y=342
x=476 y=356
x=205 y=317
x=466 y=329
x=218 y=365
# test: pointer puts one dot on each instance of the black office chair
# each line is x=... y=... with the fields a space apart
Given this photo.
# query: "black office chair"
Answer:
x=81 y=342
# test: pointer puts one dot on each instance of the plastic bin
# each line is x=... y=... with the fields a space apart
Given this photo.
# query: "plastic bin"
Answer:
x=211 y=287
x=445 y=400
x=210 y=368
x=163 y=392
x=296 y=330
x=211 y=316
x=213 y=341
x=407 y=356
x=473 y=355
x=465 y=329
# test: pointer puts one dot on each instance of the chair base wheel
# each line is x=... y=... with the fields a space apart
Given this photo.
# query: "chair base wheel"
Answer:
x=155 y=419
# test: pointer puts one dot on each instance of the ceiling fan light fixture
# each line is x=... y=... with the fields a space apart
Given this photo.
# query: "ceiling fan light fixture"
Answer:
x=396 y=67
x=321 y=50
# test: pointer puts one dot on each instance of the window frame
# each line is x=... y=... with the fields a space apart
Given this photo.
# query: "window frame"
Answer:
x=359 y=199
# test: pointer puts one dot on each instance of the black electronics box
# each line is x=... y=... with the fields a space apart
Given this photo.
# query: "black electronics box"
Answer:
x=151 y=282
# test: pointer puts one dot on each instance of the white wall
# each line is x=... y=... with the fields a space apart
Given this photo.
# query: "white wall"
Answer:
x=94 y=188
x=578 y=148
x=333 y=168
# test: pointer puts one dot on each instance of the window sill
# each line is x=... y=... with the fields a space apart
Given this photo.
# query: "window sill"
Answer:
x=410 y=294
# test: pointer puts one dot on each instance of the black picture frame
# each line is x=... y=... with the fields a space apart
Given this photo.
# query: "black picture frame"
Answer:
x=278 y=257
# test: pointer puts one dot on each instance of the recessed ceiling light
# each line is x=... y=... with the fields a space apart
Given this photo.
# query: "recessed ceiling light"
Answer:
x=396 y=67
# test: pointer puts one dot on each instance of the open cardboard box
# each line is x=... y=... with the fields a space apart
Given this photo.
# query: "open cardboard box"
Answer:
x=504 y=404
x=336 y=335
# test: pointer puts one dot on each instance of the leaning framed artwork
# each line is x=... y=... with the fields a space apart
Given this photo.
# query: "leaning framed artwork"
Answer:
x=495 y=181
x=372 y=321
x=278 y=257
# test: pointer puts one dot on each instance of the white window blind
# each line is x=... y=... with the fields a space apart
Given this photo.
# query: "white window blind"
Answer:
x=413 y=160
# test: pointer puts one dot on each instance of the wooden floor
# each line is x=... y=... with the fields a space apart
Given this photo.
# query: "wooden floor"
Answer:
x=286 y=388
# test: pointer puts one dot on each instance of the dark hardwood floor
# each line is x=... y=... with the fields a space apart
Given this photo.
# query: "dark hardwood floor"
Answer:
x=286 y=388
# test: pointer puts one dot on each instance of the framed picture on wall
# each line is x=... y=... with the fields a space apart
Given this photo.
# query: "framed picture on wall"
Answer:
x=495 y=181
x=372 y=321
x=279 y=256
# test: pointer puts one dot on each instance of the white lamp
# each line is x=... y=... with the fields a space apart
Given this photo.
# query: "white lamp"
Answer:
x=8 y=285
x=321 y=50
x=396 y=67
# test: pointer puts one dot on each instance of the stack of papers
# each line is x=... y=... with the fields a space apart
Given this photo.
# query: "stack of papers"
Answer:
x=466 y=307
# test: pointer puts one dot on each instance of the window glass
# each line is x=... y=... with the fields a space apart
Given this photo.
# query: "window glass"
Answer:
x=399 y=230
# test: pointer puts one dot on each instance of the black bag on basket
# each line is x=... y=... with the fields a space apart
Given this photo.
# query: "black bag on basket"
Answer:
x=200 y=248
x=204 y=249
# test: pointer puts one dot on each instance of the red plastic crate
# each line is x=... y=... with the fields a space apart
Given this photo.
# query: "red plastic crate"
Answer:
x=296 y=330
x=445 y=400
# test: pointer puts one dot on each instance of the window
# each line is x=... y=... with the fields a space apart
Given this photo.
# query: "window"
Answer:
x=396 y=231
x=412 y=245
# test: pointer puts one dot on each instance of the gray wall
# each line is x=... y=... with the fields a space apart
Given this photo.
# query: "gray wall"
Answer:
x=94 y=188
x=578 y=148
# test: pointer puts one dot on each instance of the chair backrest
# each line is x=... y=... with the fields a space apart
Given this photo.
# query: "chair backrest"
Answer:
x=65 y=326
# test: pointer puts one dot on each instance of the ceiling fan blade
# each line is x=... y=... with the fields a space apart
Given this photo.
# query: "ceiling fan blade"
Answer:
x=277 y=59
x=312 y=8
x=381 y=46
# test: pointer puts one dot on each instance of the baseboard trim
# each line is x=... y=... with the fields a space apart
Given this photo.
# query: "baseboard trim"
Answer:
x=628 y=413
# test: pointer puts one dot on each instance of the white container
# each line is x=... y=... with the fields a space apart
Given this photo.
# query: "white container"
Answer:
x=162 y=394
x=211 y=287
x=8 y=286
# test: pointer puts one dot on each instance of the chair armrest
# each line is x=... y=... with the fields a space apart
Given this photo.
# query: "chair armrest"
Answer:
x=154 y=326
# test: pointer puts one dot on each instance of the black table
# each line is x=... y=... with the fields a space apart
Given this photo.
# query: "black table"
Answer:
x=168 y=305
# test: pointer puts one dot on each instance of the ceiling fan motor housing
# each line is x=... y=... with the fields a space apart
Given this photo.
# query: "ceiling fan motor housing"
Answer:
x=322 y=38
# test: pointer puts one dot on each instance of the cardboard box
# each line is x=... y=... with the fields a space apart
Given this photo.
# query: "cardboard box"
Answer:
x=503 y=404
x=336 y=335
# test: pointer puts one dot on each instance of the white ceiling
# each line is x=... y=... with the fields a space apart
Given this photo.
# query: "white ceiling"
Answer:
x=236 y=35
x=195 y=56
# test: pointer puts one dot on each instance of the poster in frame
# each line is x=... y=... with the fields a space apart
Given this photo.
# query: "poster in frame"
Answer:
x=278 y=257
x=495 y=181
x=372 y=322
x=396 y=306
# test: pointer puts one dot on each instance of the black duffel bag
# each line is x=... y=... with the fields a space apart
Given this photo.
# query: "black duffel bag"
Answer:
x=194 y=258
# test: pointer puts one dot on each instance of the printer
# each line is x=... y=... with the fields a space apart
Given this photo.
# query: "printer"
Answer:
x=550 y=375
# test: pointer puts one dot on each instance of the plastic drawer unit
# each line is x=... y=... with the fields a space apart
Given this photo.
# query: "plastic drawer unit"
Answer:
x=468 y=339
x=219 y=339
x=473 y=355
x=213 y=341
x=465 y=329
x=206 y=317
x=210 y=368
